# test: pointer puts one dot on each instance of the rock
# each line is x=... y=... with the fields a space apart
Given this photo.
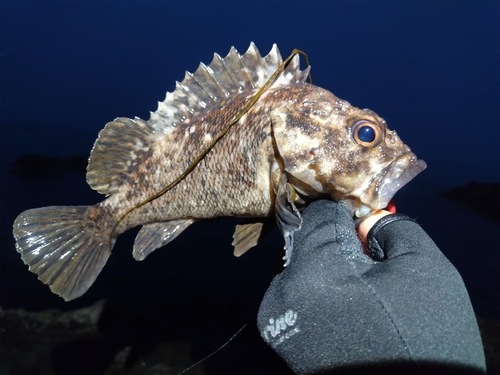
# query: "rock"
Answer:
x=483 y=197
x=52 y=342
x=29 y=338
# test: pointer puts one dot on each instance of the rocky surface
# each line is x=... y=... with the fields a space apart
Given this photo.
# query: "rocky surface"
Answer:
x=115 y=339
x=55 y=342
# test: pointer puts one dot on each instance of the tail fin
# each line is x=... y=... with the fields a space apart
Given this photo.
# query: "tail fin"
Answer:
x=63 y=247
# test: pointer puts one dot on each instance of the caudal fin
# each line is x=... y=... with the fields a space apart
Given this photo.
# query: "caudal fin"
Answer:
x=63 y=247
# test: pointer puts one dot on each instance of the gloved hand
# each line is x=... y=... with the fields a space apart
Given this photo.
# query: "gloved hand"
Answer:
x=335 y=308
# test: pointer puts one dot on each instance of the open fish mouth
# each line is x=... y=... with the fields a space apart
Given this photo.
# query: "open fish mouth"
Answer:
x=392 y=178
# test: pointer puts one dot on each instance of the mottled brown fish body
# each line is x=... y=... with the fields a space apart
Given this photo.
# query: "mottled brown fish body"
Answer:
x=234 y=177
x=296 y=143
x=231 y=180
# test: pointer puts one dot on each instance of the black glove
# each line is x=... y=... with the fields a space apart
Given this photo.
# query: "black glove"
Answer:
x=334 y=308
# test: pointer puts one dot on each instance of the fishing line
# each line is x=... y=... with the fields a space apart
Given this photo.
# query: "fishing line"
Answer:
x=217 y=350
x=200 y=157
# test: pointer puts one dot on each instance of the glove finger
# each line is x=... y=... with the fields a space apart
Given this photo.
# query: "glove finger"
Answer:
x=402 y=248
x=396 y=236
x=327 y=239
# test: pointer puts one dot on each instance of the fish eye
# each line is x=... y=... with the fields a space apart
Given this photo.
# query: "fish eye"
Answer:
x=366 y=133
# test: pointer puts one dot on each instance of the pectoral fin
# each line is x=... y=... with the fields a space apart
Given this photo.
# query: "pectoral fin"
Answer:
x=287 y=215
x=154 y=236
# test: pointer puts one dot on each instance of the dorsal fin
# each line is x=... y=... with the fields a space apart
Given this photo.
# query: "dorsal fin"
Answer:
x=123 y=142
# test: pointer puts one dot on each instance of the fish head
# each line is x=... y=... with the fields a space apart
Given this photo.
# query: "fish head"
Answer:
x=330 y=148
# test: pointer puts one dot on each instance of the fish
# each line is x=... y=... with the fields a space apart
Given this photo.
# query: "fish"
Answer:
x=245 y=136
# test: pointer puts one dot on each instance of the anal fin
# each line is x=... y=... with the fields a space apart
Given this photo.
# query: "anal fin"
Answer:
x=245 y=237
x=153 y=236
x=248 y=234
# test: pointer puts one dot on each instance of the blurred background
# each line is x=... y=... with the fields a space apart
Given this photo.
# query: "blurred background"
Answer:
x=430 y=68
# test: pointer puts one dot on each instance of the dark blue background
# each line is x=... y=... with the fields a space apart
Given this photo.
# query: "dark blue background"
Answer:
x=430 y=68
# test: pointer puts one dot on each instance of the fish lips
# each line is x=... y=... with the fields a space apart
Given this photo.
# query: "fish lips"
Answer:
x=392 y=178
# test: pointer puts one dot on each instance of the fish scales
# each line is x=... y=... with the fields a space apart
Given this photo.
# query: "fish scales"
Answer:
x=233 y=166
x=239 y=165
x=296 y=143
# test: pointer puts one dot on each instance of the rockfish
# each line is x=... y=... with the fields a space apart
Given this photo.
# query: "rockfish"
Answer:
x=296 y=143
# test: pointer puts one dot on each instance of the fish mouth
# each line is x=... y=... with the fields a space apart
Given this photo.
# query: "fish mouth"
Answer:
x=392 y=178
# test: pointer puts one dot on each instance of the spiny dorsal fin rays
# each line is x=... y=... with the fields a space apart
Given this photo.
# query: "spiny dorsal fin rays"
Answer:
x=211 y=85
x=237 y=71
x=282 y=69
x=292 y=73
x=222 y=77
x=123 y=142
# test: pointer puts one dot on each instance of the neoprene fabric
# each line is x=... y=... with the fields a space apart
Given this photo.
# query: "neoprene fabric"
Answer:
x=334 y=308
